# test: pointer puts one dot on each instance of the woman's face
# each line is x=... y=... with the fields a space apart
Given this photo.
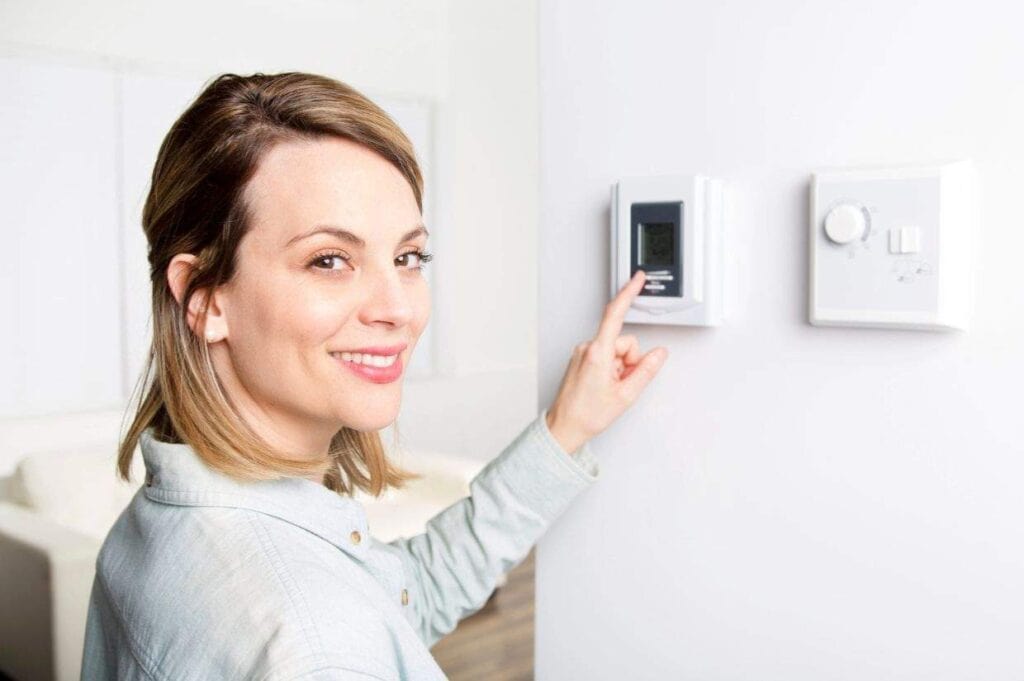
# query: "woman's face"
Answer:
x=329 y=266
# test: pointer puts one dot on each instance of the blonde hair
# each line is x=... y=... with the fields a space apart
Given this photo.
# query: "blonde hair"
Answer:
x=196 y=205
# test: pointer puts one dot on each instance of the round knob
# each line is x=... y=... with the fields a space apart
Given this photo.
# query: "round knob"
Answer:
x=845 y=223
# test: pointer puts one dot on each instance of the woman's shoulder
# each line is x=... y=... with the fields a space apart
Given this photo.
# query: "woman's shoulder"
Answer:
x=228 y=551
x=236 y=587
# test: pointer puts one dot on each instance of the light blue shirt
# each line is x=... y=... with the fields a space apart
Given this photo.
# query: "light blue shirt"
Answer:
x=204 y=577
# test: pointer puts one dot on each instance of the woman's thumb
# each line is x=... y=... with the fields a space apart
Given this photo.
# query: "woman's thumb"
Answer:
x=643 y=372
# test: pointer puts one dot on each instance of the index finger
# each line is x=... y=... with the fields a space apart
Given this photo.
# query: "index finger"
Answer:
x=615 y=311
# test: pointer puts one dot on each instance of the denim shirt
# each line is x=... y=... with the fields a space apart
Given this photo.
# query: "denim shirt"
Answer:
x=205 y=577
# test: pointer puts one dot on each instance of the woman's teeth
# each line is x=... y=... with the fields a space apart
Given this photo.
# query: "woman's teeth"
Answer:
x=381 y=361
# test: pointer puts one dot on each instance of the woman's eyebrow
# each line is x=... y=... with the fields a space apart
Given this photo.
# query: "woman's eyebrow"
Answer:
x=350 y=237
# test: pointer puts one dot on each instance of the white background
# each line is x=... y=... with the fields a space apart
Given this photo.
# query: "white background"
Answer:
x=786 y=502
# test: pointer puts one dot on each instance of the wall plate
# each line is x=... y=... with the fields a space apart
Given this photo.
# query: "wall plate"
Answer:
x=891 y=247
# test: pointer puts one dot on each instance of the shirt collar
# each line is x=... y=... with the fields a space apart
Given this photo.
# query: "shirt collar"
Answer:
x=176 y=475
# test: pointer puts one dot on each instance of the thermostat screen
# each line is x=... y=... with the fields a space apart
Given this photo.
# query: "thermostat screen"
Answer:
x=656 y=247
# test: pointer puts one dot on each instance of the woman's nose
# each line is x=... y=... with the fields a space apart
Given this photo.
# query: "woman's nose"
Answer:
x=388 y=299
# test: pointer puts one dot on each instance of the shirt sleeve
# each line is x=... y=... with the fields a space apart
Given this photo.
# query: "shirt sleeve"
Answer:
x=453 y=566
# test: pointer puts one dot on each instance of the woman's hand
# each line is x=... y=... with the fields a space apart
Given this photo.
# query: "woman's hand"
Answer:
x=604 y=377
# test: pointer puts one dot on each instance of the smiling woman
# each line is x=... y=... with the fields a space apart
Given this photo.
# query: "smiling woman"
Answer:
x=274 y=328
x=239 y=374
x=286 y=248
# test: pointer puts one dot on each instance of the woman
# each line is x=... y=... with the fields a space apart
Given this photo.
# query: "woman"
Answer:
x=286 y=251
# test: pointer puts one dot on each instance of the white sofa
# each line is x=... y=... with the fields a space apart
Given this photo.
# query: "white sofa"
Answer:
x=58 y=499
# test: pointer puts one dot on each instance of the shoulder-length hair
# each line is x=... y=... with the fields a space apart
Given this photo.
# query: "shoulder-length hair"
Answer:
x=196 y=205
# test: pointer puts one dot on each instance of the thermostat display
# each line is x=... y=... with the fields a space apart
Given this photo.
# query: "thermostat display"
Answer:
x=657 y=237
x=670 y=227
x=657 y=243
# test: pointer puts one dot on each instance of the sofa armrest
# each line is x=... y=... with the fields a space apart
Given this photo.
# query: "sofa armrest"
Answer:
x=46 y=574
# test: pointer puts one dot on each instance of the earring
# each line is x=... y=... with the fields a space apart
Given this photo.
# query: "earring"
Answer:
x=211 y=336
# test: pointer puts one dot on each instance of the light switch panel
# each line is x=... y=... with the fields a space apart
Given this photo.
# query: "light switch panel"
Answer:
x=890 y=247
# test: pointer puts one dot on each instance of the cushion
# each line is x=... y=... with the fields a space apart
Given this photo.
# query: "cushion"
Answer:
x=405 y=512
x=76 y=487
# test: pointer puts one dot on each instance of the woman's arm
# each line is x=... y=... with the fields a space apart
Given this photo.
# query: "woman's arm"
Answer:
x=454 y=565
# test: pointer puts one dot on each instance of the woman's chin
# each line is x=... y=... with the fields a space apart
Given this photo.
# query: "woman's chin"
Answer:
x=370 y=419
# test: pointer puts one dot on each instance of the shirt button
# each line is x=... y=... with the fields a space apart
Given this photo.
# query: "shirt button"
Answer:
x=356 y=537
x=405 y=597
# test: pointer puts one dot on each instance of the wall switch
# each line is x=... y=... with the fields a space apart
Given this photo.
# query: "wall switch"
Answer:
x=890 y=247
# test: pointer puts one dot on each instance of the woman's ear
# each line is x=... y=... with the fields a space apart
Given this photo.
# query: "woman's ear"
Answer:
x=214 y=327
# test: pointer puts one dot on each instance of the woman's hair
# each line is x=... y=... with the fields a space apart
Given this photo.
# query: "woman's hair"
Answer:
x=196 y=205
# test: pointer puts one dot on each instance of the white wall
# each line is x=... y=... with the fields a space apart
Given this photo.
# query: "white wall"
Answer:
x=493 y=105
x=473 y=63
x=784 y=501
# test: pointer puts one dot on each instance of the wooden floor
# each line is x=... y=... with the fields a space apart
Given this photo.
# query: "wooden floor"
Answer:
x=496 y=642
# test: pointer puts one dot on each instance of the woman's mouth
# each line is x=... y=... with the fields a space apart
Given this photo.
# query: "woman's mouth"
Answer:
x=373 y=368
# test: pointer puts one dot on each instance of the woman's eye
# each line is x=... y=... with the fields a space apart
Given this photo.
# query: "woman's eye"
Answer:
x=422 y=258
x=325 y=261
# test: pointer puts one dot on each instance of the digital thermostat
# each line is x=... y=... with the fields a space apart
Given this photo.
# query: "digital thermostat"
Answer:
x=670 y=227
x=890 y=247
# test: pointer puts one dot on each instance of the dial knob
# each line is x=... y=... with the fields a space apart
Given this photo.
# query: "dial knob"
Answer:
x=845 y=223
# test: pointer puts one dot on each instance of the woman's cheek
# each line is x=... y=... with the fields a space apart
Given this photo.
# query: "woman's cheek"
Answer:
x=324 y=316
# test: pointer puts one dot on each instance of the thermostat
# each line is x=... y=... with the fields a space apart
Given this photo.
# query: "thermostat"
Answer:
x=670 y=227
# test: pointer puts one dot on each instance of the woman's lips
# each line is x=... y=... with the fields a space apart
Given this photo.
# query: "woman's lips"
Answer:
x=372 y=373
x=379 y=349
